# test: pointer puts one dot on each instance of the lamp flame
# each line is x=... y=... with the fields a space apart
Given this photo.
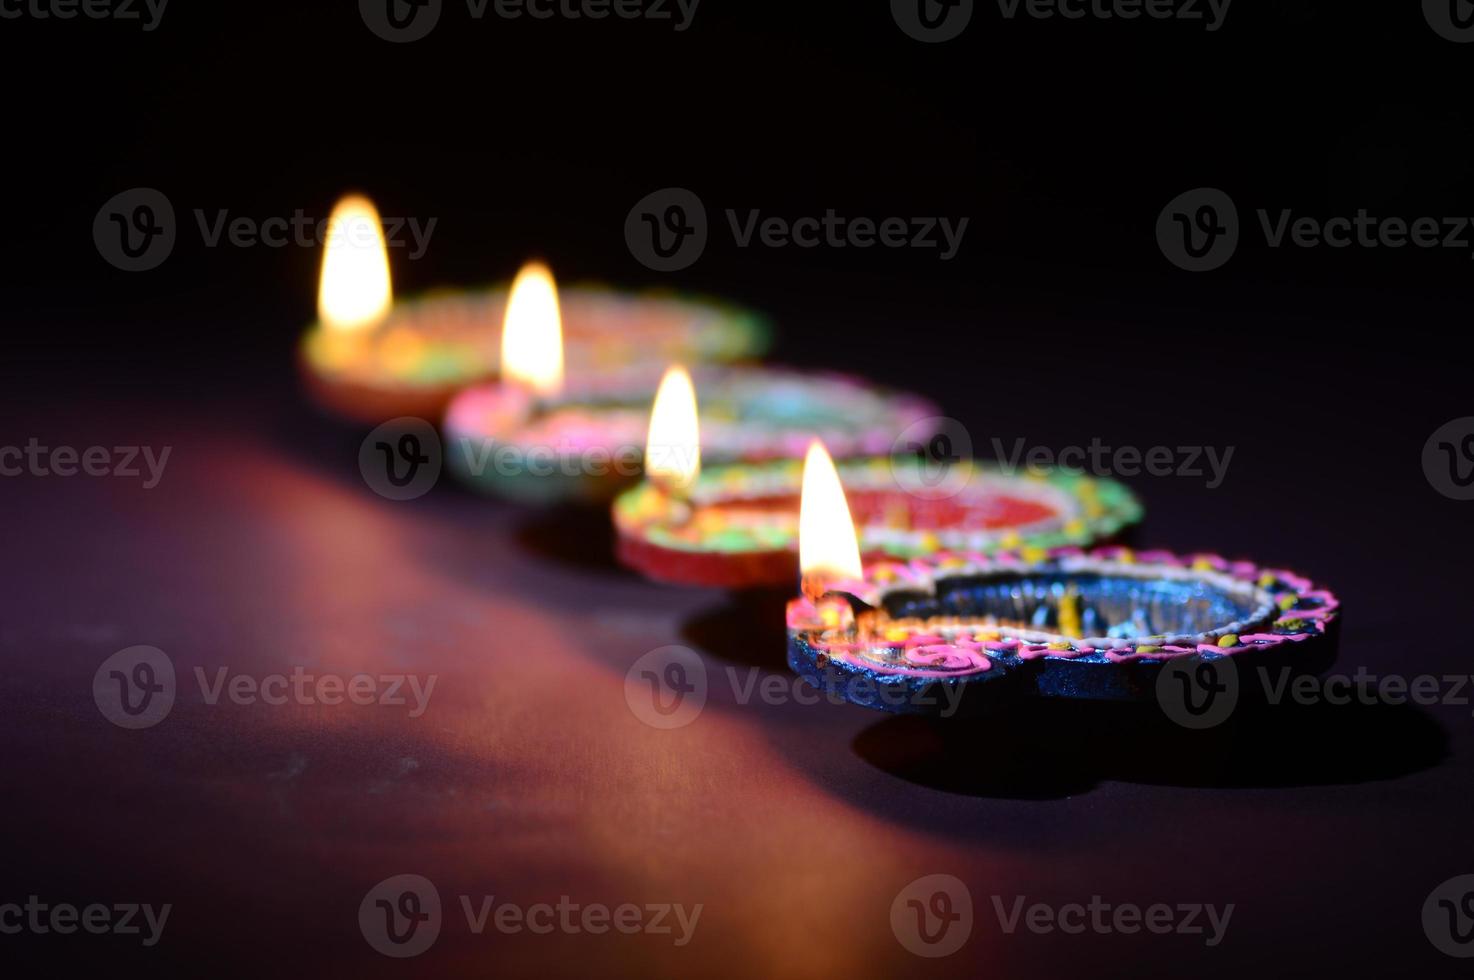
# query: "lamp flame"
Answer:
x=673 y=447
x=828 y=547
x=532 y=333
x=354 y=292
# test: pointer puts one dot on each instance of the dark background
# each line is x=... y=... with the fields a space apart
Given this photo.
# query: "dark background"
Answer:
x=1058 y=322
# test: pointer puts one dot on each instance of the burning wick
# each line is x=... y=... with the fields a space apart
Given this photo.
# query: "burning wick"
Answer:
x=673 y=446
x=828 y=547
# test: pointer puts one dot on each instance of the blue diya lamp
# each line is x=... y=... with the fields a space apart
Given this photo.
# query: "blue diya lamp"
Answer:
x=958 y=632
x=966 y=631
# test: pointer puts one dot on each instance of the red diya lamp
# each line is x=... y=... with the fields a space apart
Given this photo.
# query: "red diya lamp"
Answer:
x=963 y=632
x=737 y=526
x=370 y=358
x=537 y=436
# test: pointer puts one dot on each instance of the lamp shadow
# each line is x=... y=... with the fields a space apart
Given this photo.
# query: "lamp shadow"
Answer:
x=574 y=535
x=1050 y=749
x=1045 y=748
x=749 y=629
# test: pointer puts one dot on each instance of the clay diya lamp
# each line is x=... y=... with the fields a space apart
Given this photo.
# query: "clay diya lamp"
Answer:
x=738 y=526
x=538 y=436
x=370 y=358
x=960 y=633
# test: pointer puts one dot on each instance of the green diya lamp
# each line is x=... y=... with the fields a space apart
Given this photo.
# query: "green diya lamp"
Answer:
x=370 y=358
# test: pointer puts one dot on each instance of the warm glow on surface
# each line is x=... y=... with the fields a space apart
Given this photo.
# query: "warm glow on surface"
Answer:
x=828 y=548
x=354 y=292
x=532 y=333
x=673 y=448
